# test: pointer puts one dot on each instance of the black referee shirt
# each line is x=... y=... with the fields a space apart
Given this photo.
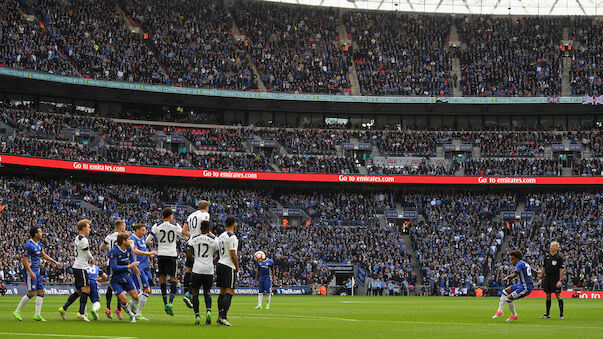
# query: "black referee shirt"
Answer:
x=552 y=265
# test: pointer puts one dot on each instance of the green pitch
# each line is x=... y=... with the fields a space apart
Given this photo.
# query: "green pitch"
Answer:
x=322 y=317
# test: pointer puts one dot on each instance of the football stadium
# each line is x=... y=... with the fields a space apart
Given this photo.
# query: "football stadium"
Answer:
x=301 y=168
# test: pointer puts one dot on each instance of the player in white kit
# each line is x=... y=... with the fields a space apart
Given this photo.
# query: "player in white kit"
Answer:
x=201 y=250
x=83 y=258
x=193 y=225
x=227 y=268
x=166 y=235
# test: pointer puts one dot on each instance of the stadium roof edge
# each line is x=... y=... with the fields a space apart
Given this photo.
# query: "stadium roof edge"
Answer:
x=464 y=7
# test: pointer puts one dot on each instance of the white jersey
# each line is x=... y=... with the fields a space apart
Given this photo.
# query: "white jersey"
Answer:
x=204 y=247
x=82 y=252
x=167 y=235
x=111 y=240
x=194 y=222
x=227 y=242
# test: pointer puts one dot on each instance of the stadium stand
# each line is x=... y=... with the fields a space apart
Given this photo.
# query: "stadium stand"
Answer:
x=300 y=49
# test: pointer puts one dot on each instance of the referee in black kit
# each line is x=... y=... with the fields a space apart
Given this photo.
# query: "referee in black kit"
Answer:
x=553 y=272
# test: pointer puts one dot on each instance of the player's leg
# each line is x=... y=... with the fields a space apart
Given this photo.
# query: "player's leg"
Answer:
x=260 y=293
x=268 y=293
x=519 y=291
x=548 y=306
x=85 y=290
x=195 y=284
x=73 y=297
x=163 y=272
x=560 y=302
x=39 y=298
x=142 y=298
x=207 y=282
x=187 y=282
x=173 y=288
x=38 y=309
x=128 y=285
x=94 y=299
x=163 y=286
x=501 y=303
x=31 y=291
x=122 y=298
x=228 y=294
x=108 y=295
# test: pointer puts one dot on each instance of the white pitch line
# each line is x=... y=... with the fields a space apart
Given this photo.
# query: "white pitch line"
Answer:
x=64 y=335
x=294 y=316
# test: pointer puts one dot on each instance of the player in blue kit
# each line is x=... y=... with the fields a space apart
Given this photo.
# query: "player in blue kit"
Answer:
x=121 y=260
x=522 y=270
x=96 y=276
x=35 y=284
x=144 y=280
x=264 y=278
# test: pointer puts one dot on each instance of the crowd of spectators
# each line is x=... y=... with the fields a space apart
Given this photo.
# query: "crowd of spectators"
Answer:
x=510 y=56
x=298 y=49
x=194 y=42
x=588 y=167
x=343 y=209
x=587 y=57
x=317 y=164
x=61 y=134
x=512 y=167
x=295 y=48
x=306 y=141
x=403 y=143
x=514 y=144
x=422 y=168
x=573 y=219
x=458 y=240
x=214 y=139
x=300 y=253
x=96 y=39
x=401 y=54
x=25 y=44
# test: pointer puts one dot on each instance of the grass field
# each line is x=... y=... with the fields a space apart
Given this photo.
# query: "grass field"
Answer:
x=323 y=317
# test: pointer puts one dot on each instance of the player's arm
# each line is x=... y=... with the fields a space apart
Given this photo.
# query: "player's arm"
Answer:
x=185 y=228
x=120 y=268
x=561 y=276
x=104 y=245
x=190 y=252
x=86 y=249
x=46 y=257
x=151 y=235
x=541 y=275
x=134 y=268
x=136 y=251
x=511 y=276
x=535 y=272
x=182 y=232
x=235 y=261
x=27 y=267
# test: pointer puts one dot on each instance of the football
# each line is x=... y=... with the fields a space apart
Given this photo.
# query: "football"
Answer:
x=259 y=255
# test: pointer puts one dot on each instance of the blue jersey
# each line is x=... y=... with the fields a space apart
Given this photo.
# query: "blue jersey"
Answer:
x=265 y=267
x=524 y=272
x=119 y=261
x=32 y=251
x=93 y=273
x=141 y=246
